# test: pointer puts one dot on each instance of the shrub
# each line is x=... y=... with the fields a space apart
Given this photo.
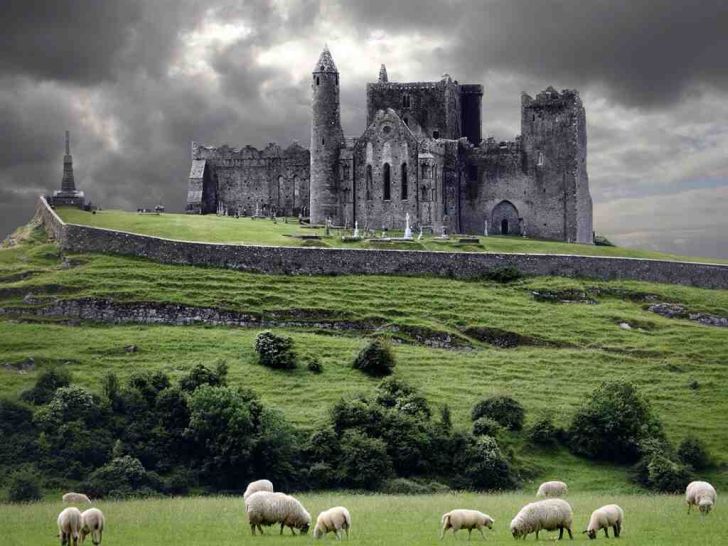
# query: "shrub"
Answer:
x=612 y=424
x=19 y=438
x=24 y=486
x=314 y=366
x=406 y=486
x=275 y=351
x=694 y=453
x=662 y=474
x=503 y=409
x=543 y=432
x=504 y=274
x=485 y=426
x=365 y=463
x=202 y=375
x=487 y=468
x=46 y=385
x=376 y=359
x=121 y=476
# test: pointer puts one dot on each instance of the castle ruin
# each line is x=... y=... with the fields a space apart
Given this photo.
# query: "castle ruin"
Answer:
x=421 y=154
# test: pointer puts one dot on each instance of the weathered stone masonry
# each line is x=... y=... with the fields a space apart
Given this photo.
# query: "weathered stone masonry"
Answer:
x=331 y=261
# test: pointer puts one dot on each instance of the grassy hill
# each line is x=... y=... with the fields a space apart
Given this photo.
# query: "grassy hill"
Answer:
x=212 y=228
x=560 y=351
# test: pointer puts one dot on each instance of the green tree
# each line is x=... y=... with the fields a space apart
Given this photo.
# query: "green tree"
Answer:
x=376 y=359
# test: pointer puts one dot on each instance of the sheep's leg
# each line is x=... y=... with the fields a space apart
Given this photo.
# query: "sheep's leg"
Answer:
x=617 y=529
x=561 y=533
x=470 y=533
x=689 y=507
x=606 y=532
x=252 y=528
x=571 y=536
x=481 y=532
x=282 y=526
x=536 y=535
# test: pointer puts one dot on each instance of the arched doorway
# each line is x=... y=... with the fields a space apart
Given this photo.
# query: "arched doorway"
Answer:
x=504 y=218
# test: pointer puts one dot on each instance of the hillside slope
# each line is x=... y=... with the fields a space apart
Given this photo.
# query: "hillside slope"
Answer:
x=545 y=341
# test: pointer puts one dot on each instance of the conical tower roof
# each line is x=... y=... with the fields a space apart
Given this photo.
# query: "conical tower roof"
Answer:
x=383 y=78
x=325 y=62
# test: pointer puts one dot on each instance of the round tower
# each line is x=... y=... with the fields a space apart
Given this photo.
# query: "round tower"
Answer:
x=327 y=138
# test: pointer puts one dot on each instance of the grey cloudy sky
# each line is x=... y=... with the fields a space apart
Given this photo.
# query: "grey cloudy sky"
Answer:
x=135 y=81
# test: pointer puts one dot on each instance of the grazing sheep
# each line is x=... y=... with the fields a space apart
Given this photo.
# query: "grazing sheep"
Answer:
x=552 y=489
x=266 y=508
x=71 y=498
x=702 y=495
x=69 y=526
x=259 y=485
x=92 y=523
x=545 y=515
x=332 y=520
x=465 y=519
x=605 y=517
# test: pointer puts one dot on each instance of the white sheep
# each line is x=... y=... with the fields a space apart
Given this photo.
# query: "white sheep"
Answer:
x=266 y=508
x=92 y=523
x=465 y=519
x=333 y=520
x=69 y=526
x=71 y=498
x=552 y=489
x=702 y=495
x=605 y=517
x=545 y=515
x=259 y=485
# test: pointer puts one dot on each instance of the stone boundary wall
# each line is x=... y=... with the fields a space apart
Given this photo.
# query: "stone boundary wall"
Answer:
x=338 y=261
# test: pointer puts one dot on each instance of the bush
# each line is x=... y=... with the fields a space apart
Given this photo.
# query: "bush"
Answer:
x=502 y=409
x=275 y=351
x=694 y=453
x=376 y=359
x=405 y=486
x=46 y=385
x=486 y=467
x=543 y=432
x=24 y=486
x=202 y=375
x=662 y=474
x=365 y=463
x=613 y=423
x=121 y=476
x=504 y=274
x=485 y=426
x=314 y=366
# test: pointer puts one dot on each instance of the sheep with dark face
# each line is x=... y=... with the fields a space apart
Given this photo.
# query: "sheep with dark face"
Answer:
x=605 y=517
x=69 y=526
x=266 y=508
x=545 y=515
x=702 y=495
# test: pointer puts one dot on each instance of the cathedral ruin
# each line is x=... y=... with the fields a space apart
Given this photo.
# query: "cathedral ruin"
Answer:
x=421 y=154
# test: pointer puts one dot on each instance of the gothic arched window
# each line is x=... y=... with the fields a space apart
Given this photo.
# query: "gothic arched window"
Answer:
x=387 y=177
x=404 y=181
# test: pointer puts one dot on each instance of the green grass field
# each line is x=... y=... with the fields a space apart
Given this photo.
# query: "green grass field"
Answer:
x=212 y=228
x=679 y=365
x=376 y=520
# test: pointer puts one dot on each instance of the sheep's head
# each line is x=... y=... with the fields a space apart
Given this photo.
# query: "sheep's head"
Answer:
x=489 y=522
x=516 y=530
x=705 y=505
x=304 y=528
x=317 y=532
x=591 y=533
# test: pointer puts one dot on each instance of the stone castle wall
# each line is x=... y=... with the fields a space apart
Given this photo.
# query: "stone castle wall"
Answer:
x=329 y=261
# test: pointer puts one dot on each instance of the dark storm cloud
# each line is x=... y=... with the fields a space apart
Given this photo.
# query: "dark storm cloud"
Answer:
x=645 y=52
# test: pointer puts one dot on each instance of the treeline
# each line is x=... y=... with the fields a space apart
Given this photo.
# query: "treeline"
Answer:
x=150 y=435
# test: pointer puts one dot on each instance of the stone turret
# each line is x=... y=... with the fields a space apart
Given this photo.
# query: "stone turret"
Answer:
x=327 y=138
x=68 y=195
x=383 y=78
